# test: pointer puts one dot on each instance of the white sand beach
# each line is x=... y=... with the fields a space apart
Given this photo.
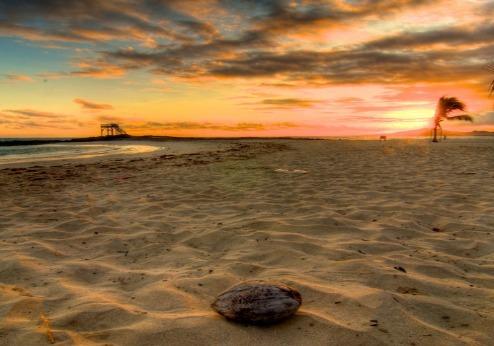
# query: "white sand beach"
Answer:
x=389 y=243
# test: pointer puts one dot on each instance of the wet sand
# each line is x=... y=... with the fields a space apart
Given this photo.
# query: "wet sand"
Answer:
x=389 y=243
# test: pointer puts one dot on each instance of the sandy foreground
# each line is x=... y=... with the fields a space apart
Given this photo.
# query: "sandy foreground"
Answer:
x=133 y=251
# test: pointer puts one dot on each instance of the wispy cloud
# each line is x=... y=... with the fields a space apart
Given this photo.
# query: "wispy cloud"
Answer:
x=186 y=125
x=22 y=119
x=28 y=113
x=92 y=105
x=97 y=69
x=289 y=103
x=18 y=78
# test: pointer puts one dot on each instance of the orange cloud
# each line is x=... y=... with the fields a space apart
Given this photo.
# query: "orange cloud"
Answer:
x=18 y=78
x=98 y=69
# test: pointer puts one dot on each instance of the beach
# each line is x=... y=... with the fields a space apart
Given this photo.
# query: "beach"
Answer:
x=389 y=243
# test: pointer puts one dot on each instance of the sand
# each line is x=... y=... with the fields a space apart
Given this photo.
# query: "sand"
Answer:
x=389 y=243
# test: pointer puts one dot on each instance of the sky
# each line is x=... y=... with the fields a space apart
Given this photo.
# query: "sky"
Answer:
x=241 y=68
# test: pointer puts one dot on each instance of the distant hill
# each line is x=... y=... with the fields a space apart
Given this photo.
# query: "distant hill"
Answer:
x=482 y=133
x=428 y=132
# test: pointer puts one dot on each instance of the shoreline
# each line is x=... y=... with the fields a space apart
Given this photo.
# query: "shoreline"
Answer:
x=155 y=155
x=121 y=152
x=19 y=142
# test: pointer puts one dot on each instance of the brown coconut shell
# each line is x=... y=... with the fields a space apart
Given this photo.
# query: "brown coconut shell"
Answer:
x=258 y=302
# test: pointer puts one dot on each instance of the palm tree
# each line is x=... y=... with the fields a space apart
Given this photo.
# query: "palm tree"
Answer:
x=444 y=107
x=491 y=86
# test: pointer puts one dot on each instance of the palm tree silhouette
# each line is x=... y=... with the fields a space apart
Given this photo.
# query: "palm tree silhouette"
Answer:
x=490 y=68
x=444 y=107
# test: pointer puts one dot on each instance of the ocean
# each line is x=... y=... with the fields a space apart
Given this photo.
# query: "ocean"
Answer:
x=63 y=151
x=78 y=151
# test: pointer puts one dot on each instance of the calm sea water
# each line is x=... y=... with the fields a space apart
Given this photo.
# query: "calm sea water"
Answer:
x=63 y=151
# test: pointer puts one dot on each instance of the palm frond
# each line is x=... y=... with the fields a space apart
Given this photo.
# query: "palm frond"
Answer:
x=463 y=117
x=449 y=104
x=490 y=68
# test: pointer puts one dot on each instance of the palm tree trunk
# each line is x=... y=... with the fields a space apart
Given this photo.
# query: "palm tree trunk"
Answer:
x=435 y=135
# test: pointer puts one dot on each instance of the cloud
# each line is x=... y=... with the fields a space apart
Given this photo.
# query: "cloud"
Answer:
x=289 y=103
x=18 y=78
x=189 y=59
x=247 y=57
x=186 y=125
x=27 y=113
x=284 y=16
x=110 y=119
x=455 y=35
x=21 y=119
x=214 y=38
x=379 y=120
x=484 y=119
x=227 y=39
x=97 y=69
x=374 y=106
x=148 y=23
x=139 y=125
x=349 y=99
x=92 y=105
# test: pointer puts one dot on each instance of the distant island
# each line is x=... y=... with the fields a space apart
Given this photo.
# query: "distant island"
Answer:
x=427 y=133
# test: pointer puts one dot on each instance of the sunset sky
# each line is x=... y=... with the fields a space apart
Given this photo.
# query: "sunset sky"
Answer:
x=241 y=68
